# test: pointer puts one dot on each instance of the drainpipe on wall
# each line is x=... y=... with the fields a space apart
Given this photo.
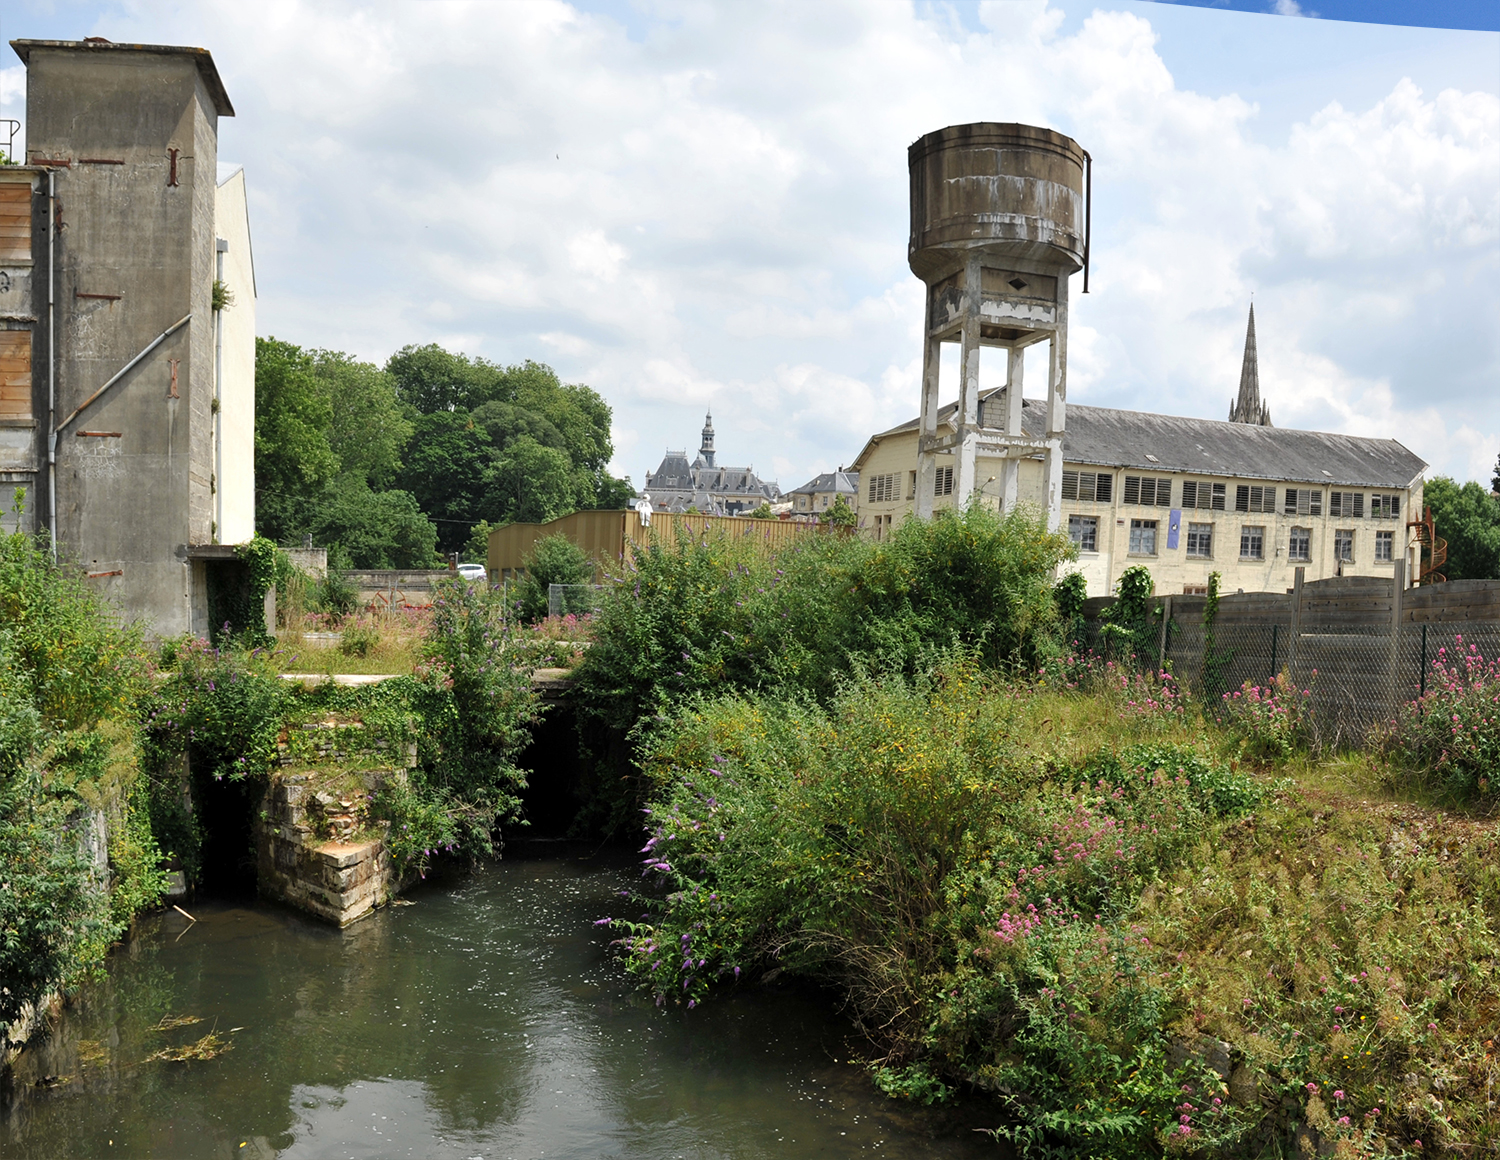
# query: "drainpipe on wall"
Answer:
x=52 y=361
x=220 y=245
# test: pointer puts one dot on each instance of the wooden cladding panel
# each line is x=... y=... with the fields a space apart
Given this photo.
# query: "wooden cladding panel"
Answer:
x=15 y=374
x=15 y=222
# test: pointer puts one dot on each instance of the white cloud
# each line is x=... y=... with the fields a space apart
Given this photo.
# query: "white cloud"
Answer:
x=711 y=209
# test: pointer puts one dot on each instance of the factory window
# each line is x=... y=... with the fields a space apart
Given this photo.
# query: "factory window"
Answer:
x=1084 y=531
x=15 y=374
x=1143 y=537
x=943 y=484
x=1086 y=485
x=1349 y=505
x=1200 y=540
x=1203 y=495
x=1148 y=491
x=1385 y=545
x=1385 y=507
x=1249 y=497
x=1302 y=501
x=1252 y=543
x=1195 y=589
x=1299 y=544
x=883 y=488
x=1343 y=545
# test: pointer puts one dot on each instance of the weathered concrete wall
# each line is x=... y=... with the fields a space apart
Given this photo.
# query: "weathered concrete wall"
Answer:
x=393 y=587
x=135 y=136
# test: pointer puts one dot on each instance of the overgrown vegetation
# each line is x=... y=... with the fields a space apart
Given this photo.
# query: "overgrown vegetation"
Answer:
x=554 y=560
x=1134 y=922
x=716 y=615
x=69 y=787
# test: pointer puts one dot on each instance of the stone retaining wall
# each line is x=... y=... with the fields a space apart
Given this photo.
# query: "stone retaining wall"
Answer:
x=339 y=879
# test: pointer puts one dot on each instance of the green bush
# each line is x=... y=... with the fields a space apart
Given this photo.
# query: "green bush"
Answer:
x=357 y=640
x=70 y=676
x=1268 y=722
x=715 y=615
x=476 y=710
x=553 y=560
x=336 y=595
x=902 y=845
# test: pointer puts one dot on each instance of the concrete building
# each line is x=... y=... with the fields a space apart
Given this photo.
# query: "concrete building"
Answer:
x=703 y=485
x=999 y=221
x=126 y=398
x=818 y=494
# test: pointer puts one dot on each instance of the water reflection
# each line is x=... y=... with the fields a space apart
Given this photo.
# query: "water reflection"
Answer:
x=482 y=1021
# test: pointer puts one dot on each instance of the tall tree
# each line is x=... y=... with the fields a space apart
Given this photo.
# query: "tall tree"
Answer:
x=1467 y=517
x=446 y=464
x=531 y=484
x=367 y=429
x=293 y=457
x=429 y=378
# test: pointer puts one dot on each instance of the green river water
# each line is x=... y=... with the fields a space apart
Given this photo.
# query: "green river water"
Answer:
x=484 y=1020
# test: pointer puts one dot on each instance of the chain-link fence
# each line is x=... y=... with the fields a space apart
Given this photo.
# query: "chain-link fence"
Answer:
x=1357 y=676
x=572 y=599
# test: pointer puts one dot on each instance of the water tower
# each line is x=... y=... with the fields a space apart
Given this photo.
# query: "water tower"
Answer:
x=999 y=220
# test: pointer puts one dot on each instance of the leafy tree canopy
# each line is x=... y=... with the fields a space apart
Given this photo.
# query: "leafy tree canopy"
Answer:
x=368 y=431
x=293 y=456
x=345 y=449
x=1467 y=517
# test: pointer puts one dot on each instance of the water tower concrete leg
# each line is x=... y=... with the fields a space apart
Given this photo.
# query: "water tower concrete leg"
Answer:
x=1057 y=409
x=1010 y=474
x=968 y=387
x=926 y=461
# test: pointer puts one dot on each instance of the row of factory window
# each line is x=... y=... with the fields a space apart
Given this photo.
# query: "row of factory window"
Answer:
x=1084 y=531
x=1154 y=491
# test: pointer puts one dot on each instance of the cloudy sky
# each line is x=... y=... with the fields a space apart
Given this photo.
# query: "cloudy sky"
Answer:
x=688 y=204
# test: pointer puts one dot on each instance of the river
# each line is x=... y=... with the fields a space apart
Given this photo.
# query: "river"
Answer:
x=483 y=1020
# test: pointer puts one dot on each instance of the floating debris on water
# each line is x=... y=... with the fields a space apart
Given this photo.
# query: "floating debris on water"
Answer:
x=172 y=1022
x=210 y=1046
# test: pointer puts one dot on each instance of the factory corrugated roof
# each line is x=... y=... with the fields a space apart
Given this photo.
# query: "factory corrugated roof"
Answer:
x=1107 y=437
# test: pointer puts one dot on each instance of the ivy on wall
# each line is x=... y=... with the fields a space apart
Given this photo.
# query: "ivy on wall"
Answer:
x=237 y=592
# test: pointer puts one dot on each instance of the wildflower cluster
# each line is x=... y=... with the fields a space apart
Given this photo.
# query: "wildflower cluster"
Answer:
x=1270 y=722
x=1452 y=732
x=1153 y=698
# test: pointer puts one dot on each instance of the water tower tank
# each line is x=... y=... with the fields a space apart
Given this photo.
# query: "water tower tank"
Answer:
x=999 y=220
x=1003 y=189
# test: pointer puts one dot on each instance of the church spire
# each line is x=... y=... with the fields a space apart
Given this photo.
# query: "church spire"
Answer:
x=1248 y=408
x=706 y=451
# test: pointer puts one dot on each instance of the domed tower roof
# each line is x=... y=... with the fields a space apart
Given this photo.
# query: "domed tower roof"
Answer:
x=706 y=451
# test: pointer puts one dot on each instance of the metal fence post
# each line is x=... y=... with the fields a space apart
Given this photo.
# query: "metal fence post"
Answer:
x=1422 y=678
x=1161 y=640
x=1398 y=583
x=1274 y=629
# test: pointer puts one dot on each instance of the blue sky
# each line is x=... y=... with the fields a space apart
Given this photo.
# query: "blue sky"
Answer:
x=687 y=204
